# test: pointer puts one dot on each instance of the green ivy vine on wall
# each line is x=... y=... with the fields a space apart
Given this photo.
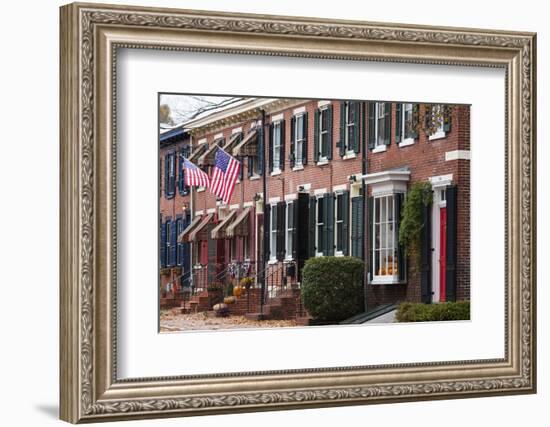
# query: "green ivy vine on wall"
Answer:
x=411 y=225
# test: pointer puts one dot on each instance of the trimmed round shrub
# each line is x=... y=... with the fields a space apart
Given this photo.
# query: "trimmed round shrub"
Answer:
x=332 y=287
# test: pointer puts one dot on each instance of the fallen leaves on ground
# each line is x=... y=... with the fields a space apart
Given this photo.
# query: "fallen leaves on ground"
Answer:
x=173 y=321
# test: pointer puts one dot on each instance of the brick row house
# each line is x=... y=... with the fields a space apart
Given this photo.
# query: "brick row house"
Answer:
x=336 y=178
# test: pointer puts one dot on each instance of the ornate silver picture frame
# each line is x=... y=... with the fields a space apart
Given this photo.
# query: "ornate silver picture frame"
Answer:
x=91 y=36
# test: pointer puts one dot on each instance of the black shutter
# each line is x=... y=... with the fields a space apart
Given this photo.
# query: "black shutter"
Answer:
x=301 y=226
x=370 y=234
x=451 y=249
x=401 y=260
x=270 y=146
x=304 y=146
x=312 y=224
x=357 y=227
x=292 y=156
x=328 y=247
x=372 y=125
x=166 y=175
x=356 y=106
x=398 y=122
x=329 y=132
x=345 y=222
x=173 y=245
x=316 y=135
x=342 y=143
x=250 y=166
x=282 y=150
x=447 y=118
x=241 y=171
x=387 y=122
x=180 y=173
x=260 y=158
x=267 y=231
x=281 y=224
x=295 y=220
x=426 y=256
x=178 y=244
x=162 y=245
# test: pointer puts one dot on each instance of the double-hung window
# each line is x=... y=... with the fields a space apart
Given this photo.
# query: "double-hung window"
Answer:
x=324 y=133
x=379 y=127
x=276 y=147
x=273 y=233
x=289 y=229
x=320 y=227
x=436 y=121
x=170 y=175
x=406 y=124
x=384 y=241
x=350 y=125
x=339 y=223
x=299 y=140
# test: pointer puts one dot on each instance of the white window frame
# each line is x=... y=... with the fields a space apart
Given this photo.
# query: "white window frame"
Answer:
x=440 y=132
x=289 y=230
x=378 y=147
x=272 y=235
x=298 y=142
x=404 y=108
x=318 y=223
x=382 y=279
x=323 y=157
x=336 y=222
x=277 y=147
x=349 y=151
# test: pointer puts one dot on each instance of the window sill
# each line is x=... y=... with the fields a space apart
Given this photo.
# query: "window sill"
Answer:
x=288 y=260
x=394 y=280
x=406 y=142
x=272 y=261
x=350 y=155
x=319 y=254
x=200 y=189
x=338 y=253
x=254 y=177
x=298 y=168
x=437 y=135
x=379 y=149
x=322 y=162
x=276 y=172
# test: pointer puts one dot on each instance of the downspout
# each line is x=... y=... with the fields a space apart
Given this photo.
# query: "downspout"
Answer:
x=265 y=225
x=364 y=192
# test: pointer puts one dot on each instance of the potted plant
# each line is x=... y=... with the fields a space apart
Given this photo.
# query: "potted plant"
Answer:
x=247 y=282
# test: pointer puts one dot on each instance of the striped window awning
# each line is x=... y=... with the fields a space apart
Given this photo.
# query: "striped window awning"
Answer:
x=234 y=140
x=248 y=146
x=182 y=238
x=239 y=227
x=198 y=150
x=219 y=231
x=209 y=156
x=201 y=226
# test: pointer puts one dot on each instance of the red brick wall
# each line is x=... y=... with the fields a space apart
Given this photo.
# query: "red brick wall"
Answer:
x=424 y=159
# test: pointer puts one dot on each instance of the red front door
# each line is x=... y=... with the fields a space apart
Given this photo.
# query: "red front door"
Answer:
x=442 y=252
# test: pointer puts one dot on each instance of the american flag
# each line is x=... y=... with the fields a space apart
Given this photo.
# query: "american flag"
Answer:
x=194 y=175
x=224 y=176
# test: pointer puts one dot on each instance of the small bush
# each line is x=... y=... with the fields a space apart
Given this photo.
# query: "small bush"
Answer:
x=332 y=287
x=418 y=312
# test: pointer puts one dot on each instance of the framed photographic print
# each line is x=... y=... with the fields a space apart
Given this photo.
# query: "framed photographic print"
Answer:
x=269 y=212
